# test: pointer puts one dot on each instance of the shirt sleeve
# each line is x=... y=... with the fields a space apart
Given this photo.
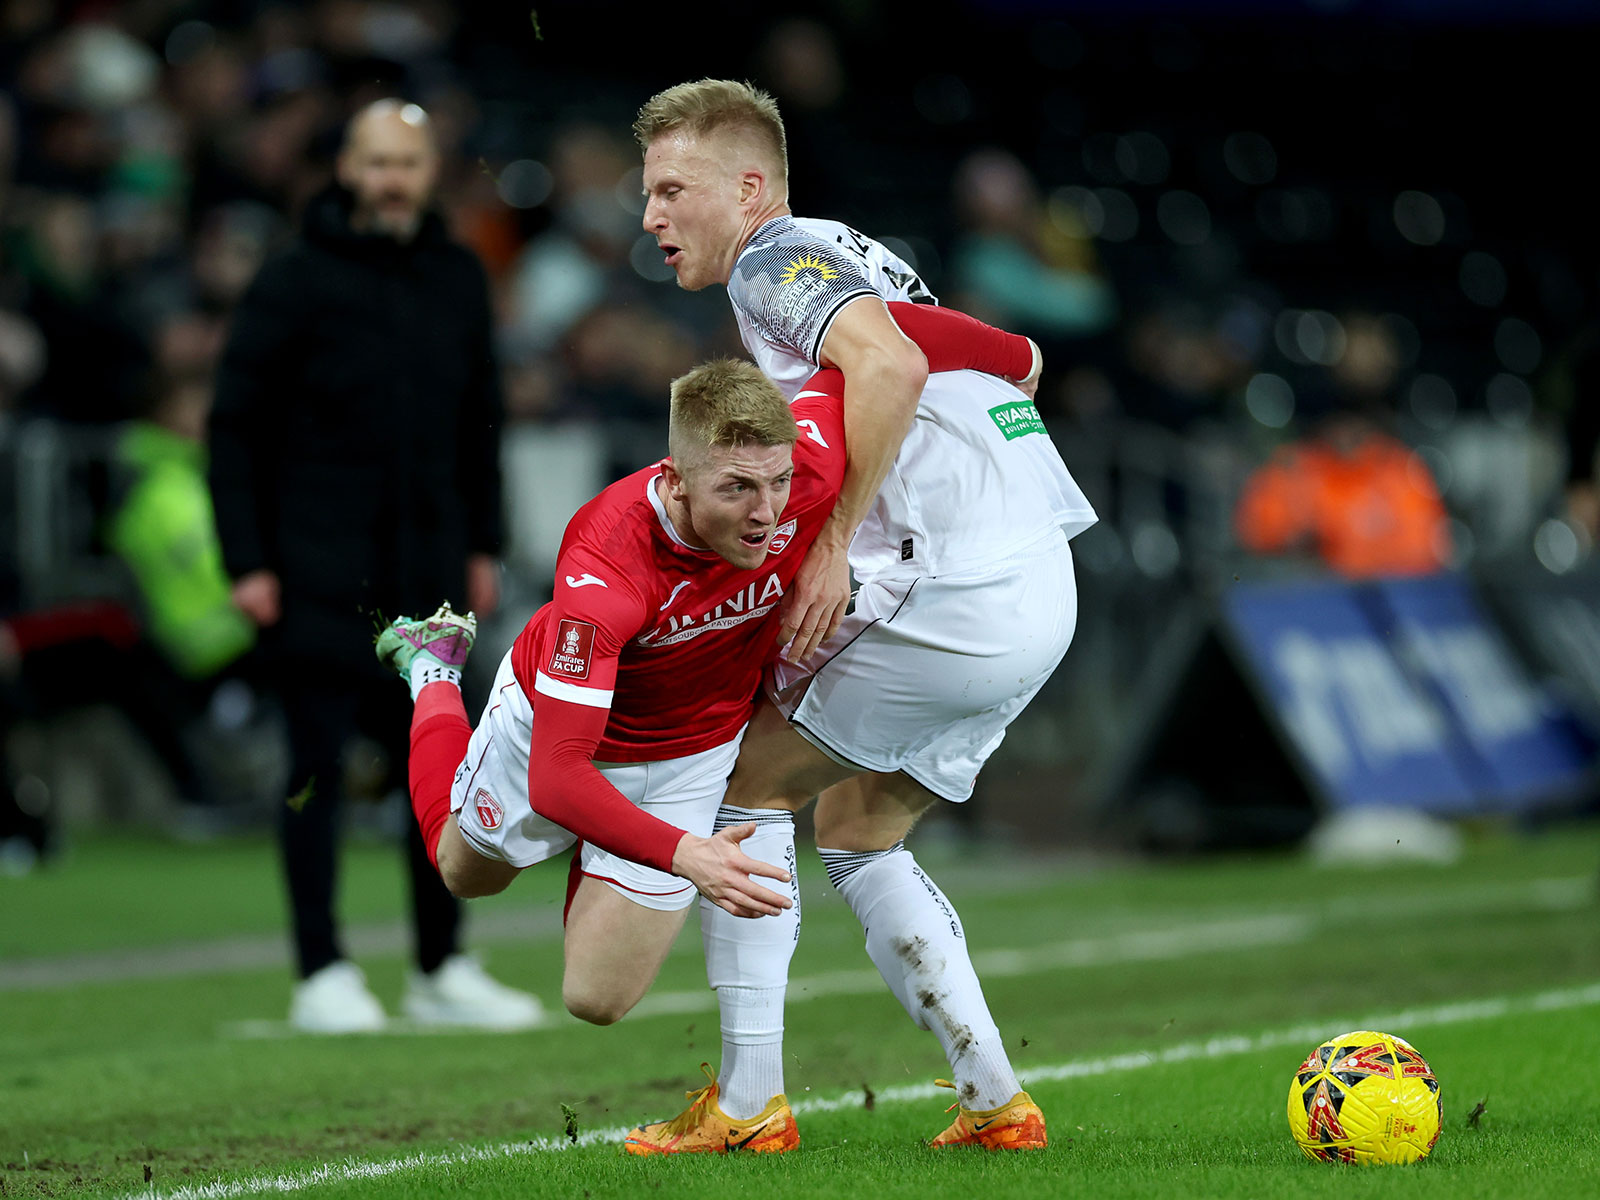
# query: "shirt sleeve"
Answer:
x=953 y=341
x=793 y=291
x=595 y=613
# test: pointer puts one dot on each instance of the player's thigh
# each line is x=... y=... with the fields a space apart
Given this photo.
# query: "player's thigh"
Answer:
x=614 y=950
x=778 y=767
x=465 y=871
x=926 y=673
x=489 y=801
x=870 y=812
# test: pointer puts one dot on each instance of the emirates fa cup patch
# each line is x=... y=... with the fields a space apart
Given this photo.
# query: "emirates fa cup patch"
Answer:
x=781 y=536
x=489 y=811
x=569 y=657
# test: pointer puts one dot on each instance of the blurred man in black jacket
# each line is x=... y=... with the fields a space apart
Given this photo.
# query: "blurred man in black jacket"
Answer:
x=355 y=471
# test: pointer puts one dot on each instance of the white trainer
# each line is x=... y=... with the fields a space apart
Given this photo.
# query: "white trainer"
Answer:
x=335 y=1000
x=462 y=993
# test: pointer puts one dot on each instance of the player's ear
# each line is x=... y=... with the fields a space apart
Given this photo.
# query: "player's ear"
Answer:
x=674 y=480
x=751 y=185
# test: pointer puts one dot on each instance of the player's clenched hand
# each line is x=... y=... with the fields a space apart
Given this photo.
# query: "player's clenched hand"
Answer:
x=721 y=871
x=817 y=602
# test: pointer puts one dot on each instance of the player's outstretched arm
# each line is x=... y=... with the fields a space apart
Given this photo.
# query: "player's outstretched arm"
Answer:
x=721 y=871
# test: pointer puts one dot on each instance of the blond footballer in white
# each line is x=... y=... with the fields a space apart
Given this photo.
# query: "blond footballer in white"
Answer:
x=955 y=517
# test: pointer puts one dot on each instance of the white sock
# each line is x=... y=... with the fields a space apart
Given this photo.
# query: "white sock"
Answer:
x=426 y=669
x=747 y=963
x=915 y=939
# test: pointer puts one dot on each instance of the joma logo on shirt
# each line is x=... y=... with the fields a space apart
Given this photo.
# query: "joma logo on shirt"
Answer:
x=750 y=602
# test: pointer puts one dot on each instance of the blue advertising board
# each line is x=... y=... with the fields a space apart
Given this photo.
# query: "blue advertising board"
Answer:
x=1404 y=693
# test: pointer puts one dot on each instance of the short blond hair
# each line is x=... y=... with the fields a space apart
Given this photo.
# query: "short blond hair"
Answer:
x=725 y=402
x=714 y=106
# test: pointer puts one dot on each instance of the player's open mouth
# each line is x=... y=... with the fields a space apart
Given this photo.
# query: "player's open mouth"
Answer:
x=754 y=539
x=674 y=255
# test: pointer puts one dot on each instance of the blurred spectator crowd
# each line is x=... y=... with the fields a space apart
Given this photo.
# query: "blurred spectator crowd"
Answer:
x=1227 y=238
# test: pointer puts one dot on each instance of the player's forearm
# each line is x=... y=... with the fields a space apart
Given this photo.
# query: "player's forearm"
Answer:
x=565 y=787
x=954 y=341
x=880 y=405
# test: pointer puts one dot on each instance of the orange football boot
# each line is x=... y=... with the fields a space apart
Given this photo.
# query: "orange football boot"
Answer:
x=703 y=1128
x=1015 y=1125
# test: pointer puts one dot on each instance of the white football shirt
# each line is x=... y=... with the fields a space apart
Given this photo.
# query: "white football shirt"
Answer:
x=978 y=476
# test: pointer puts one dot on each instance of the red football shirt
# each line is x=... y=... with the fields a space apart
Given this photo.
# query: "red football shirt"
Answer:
x=670 y=639
x=651 y=649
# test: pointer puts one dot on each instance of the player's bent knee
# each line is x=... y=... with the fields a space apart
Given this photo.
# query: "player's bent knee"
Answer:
x=595 y=1008
x=467 y=874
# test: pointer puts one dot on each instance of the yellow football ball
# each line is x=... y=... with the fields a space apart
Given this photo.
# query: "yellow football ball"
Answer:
x=1367 y=1098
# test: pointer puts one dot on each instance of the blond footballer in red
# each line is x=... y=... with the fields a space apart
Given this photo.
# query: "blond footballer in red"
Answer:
x=616 y=717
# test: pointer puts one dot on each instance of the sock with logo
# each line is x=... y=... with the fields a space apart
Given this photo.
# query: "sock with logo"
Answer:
x=747 y=963
x=915 y=939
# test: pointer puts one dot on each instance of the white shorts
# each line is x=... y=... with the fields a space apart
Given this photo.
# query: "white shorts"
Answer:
x=490 y=800
x=926 y=673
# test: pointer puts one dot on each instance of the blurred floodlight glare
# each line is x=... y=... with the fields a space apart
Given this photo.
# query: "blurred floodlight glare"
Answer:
x=1517 y=345
x=1184 y=218
x=647 y=260
x=1250 y=158
x=1509 y=400
x=1155 y=549
x=1084 y=203
x=1320 y=337
x=1432 y=400
x=1100 y=159
x=1283 y=336
x=1483 y=279
x=1436 y=466
x=1270 y=400
x=1099 y=549
x=1419 y=218
x=524 y=183
x=1143 y=158
x=1556 y=546
x=1302 y=214
x=188 y=40
x=1120 y=220
x=630 y=191
x=1407 y=341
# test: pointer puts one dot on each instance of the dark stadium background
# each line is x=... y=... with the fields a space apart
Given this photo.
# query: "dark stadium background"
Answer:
x=1425 y=162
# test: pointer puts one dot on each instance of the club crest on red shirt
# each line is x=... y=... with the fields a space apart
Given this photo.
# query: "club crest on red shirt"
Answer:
x=489 y=810
x=574 y=645
x=780 y=537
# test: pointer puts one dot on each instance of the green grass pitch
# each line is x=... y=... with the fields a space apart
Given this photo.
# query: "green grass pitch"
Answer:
x=1156 y=1011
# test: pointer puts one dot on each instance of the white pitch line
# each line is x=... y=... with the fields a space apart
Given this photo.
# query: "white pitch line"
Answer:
x=1282 y=928
x=353 y=1170
x=1181 y=941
